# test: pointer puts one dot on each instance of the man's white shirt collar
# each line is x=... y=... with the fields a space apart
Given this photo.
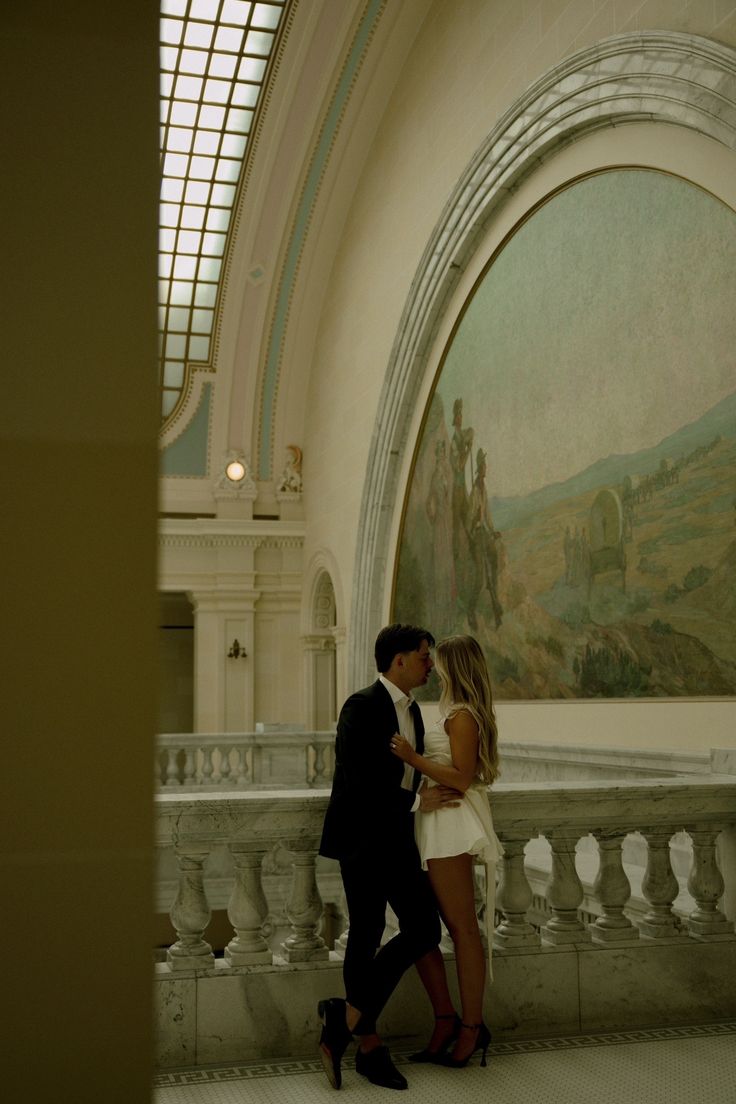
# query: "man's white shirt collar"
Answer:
x=398 y=697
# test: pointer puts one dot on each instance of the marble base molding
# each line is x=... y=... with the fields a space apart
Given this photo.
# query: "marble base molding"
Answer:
x=268 y=1012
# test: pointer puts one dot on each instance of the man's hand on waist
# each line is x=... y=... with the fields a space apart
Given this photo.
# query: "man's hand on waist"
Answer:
x=432 y=798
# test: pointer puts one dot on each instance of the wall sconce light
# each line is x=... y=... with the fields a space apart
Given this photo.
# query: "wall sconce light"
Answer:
x=235 y=471
x=237 y=650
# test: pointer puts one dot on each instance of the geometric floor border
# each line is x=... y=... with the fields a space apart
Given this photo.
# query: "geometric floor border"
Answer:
x=252 y=1071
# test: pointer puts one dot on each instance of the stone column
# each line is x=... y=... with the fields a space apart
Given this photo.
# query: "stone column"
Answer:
x=304 y=908
x=319 y=680
x=612 y=890
x=339 y=634
x=248 y=908
x=564 y=892
x=660 y=887
x=706 y=885
x=513 y=898
x=190 y=913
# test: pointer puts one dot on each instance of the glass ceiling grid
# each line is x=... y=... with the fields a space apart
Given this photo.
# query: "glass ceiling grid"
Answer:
x=214 y=58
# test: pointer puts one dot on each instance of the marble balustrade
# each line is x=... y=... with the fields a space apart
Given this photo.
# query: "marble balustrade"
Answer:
x=223 y=761
x=287 y=757
x=250 y=824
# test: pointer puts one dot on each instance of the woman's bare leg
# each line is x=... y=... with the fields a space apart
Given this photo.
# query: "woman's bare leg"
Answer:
x=431 y=970
x=454 y=888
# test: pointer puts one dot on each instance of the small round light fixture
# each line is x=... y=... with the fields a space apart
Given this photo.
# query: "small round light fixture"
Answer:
x=235 y=471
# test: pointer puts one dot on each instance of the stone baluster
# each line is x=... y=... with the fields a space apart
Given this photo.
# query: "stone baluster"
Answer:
x=612 y=890
x=319 y=765
x=172 y=771
x=706 y=885
x=513 y=898
x=241 y=777
x=247 y=908
x=341 y=943
x=304 y=908
x=190 y=766
x=207 y=765
x=659 y=886
x=190 y=913
x=564 y=893
x=224 y=765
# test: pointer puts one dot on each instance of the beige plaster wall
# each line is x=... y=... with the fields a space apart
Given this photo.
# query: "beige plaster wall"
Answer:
x=470 y=61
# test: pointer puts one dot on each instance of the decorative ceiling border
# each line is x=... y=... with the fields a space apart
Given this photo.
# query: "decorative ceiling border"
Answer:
x=660 y=77
x=300 y=227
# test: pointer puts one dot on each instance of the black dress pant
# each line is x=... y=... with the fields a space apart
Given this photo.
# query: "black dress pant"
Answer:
x=371 y=972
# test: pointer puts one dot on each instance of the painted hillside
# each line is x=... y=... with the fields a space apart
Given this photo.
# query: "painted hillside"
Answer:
x=661 y=622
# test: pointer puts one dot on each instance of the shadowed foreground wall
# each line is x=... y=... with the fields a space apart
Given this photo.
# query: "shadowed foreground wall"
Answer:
x=78 y=462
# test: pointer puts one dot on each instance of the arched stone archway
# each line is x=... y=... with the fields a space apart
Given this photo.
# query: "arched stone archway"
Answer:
x=685 y=81
x=320 y=655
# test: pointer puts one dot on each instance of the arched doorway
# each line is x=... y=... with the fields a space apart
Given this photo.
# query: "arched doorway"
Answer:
x=320 y=655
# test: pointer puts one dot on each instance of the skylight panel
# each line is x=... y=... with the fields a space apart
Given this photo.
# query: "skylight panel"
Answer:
x=214 y=59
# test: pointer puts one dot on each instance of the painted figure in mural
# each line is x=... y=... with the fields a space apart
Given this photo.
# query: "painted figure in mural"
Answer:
x=460 y=751
x=442 y=565
x=369 y=828
x=585 y=557
x=568 y=545
x=460 y=447
x=484 y=540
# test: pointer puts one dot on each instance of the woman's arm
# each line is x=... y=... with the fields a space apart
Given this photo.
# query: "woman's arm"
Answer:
x=463 y=732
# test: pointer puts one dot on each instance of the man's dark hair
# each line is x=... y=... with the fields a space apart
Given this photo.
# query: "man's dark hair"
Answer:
x=394 y=639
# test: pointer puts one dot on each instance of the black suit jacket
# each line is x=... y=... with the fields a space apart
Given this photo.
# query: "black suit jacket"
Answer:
x=369 y=812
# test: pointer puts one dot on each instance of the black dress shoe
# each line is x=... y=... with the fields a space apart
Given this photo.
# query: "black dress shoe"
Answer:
x=377 y=1066
x=334 y=1039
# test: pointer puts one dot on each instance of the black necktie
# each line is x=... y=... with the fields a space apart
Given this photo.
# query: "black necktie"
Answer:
x=416 y=716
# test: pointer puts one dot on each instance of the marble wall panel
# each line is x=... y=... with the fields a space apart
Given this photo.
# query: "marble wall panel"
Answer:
x=651 y=985
x=534 y=993
x=269 y=1011
x=175 y=1020
x=262 y=1013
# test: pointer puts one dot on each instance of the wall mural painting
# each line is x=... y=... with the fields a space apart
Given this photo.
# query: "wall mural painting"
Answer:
x=573 y=498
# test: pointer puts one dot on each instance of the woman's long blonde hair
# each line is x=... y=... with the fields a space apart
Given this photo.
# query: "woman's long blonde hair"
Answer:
x=464 y=679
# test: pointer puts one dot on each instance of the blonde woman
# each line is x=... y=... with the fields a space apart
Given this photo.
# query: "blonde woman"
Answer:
x=460 y=751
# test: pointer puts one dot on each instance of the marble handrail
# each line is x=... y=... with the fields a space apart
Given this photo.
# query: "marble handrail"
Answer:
x=221 y=761
x=542 y=761
x=250 y=823
x=286 y=758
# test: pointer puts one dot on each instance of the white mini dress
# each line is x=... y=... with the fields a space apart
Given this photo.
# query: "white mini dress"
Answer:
x=465 y=828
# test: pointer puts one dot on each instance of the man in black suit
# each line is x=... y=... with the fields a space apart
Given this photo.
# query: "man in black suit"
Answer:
x=369 y=828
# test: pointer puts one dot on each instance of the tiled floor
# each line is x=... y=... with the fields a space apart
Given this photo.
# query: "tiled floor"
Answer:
x=693 y=1065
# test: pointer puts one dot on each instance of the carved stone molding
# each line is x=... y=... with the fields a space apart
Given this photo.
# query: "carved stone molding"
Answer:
x=202 y=540
x=204 y=533
x=660 y=77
